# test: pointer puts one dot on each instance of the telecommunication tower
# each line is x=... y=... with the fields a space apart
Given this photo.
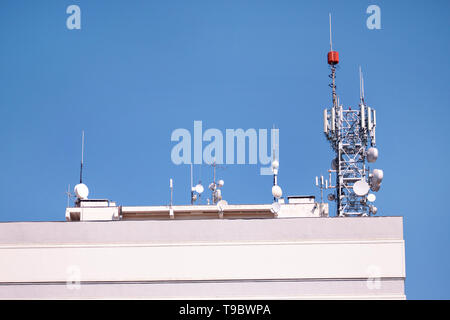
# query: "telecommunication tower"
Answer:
x=351 y=133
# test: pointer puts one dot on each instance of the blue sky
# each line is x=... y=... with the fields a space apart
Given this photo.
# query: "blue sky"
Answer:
x=137 y=70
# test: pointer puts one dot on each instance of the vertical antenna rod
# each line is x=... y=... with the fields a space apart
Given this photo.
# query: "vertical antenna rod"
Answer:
x=171 y=191
x=275 y=176
x=361 y=85
x=82 y=156
x=331 y=42
x=192 y=187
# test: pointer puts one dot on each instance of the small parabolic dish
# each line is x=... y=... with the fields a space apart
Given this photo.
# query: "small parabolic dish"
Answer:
x=221 y=205
x=371 y=197
x=277 y=192
x=361 y=188
x=81 y=191
x=275 y=208
x=199 y=188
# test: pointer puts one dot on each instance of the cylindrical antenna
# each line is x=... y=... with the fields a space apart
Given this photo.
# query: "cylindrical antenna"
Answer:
x=82 y=156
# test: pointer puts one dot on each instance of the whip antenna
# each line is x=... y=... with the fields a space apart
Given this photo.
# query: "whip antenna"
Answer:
x=82 y=156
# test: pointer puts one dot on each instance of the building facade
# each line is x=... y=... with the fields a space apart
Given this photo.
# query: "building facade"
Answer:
x=297 y=253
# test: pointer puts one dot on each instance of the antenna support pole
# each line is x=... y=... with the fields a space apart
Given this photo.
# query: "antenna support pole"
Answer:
x=82 y=156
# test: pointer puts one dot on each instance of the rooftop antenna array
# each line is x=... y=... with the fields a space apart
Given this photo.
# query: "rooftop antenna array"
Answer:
x=351 y=133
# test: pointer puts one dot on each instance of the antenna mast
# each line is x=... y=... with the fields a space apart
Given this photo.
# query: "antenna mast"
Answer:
x=82 y=156
x=351 y=133
x=216 y=192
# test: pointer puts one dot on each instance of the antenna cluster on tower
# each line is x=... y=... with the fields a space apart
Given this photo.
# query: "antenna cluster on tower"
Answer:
x=351 y=133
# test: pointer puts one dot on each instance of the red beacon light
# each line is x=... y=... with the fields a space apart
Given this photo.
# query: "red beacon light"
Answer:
x=333 y=58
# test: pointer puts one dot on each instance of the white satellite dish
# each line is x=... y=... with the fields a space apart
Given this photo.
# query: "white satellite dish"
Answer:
x=221 y=205
x=372 y=154
x=371 y=197
x=81 y=190
x=361 y=188
x=199 y=188
x=220 y=183
x=277 y=192
x=275 y=164
x=275 y=208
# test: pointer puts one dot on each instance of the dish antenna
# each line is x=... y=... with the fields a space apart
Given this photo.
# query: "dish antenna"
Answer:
x=199 y=188
x=221 y=205
x=371 y=197
x=361 y=188
x=277 y=192
x=275 y=208
x=81 y=191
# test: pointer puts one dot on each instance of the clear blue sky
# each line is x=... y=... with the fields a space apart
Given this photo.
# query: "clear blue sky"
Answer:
x=137 y=70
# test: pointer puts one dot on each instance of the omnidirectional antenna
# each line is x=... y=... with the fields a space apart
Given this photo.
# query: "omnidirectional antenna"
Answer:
x=82 y=156
x=331 y=42
x=361 y=85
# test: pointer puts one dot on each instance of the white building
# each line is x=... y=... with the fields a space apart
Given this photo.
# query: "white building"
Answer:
x=203 y=252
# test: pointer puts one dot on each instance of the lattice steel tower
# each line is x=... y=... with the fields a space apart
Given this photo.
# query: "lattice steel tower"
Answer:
x=351 y=133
